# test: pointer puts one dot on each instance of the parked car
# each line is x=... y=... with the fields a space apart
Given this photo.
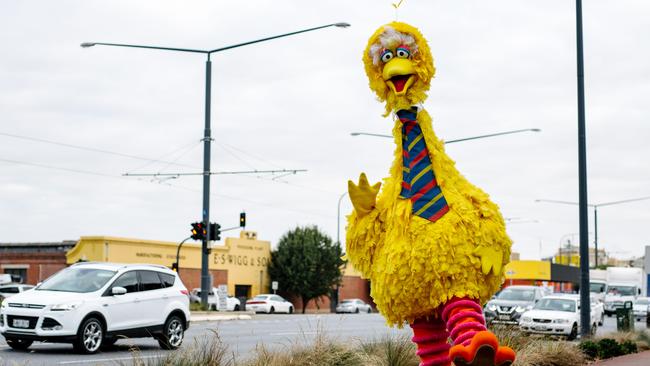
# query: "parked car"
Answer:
x=91 y=305
x=555 y=315
x=7 y=291
x=641 y=308
x=353 y=306
x=269 y=303
x=508 y=305
x=597 y=308
x=232 y=303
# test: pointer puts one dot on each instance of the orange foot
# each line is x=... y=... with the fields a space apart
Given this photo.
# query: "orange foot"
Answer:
x=483 y=350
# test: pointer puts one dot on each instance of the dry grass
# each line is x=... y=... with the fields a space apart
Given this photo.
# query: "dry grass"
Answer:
x=386 y=351
x=389 y=351
x=206 y=351
x=550 y=353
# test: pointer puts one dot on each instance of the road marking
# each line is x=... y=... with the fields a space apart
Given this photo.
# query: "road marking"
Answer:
x=107 y=359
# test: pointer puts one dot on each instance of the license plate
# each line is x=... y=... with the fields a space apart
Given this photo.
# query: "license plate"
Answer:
x=504 y=317
x=21 y=323
x=540 y=328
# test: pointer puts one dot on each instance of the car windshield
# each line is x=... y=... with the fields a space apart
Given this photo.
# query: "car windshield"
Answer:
x=77 y=280
x=516 y=294
x=258 y=297
x=597 y=287
x=347 y=301
x=621 y=290
x=556 y=304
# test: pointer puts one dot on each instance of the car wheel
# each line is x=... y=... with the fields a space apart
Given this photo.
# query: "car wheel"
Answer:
x=290 y=309
x=236 y=308
x=356 y=311
x=369 y=310
x=173 y=333
x=89 y=337
x=271 y=310
x=19 y=344
x=574 y=332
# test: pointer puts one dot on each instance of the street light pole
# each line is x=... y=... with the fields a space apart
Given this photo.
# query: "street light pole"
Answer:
x=205 y=275
x=585 y=329
x=338 y=219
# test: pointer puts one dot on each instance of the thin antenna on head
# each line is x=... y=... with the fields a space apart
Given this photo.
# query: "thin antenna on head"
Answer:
x=396 y=6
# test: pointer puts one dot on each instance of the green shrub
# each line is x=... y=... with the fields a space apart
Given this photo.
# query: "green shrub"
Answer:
x=589 y=348
x=608 y=348
x=628 y=347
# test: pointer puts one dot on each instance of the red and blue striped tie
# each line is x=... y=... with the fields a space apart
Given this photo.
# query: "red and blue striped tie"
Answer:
x=419 y=180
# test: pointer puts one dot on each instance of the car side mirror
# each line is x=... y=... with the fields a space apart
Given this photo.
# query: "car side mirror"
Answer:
x=118 y=290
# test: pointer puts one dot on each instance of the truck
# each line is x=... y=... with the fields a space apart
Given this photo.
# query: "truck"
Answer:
x=598 y=283
x=623 y=284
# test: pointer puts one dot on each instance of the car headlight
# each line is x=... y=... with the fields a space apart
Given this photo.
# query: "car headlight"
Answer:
x=560 y=321
x=66 y=307
x=526 y=319
x=492 y=307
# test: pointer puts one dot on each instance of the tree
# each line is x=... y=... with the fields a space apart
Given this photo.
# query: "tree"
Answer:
x=306 y=264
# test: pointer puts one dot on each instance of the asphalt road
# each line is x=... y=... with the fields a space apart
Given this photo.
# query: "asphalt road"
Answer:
x=241 y=336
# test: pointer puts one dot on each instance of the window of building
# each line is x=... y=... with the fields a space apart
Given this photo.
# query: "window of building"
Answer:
x=17 y=274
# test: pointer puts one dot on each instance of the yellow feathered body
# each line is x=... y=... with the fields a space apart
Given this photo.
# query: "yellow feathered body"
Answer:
x=416 y=265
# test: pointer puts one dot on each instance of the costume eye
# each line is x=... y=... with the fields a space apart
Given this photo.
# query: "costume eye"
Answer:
x=403 y=52
x=387 y=55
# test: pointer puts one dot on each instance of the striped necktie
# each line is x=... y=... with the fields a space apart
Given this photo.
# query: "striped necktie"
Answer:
x=419 y=180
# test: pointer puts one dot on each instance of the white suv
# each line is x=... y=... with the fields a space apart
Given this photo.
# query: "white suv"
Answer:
x=92 y=305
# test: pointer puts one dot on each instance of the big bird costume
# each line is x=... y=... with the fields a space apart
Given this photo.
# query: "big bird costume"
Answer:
x=432 y=244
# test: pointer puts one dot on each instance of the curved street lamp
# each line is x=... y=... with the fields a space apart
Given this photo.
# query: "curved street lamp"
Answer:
x=205 y=276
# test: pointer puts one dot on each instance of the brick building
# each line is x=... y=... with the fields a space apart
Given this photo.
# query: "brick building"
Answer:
x=33 y=262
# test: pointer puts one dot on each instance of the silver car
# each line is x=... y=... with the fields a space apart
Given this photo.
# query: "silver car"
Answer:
x=353 y=306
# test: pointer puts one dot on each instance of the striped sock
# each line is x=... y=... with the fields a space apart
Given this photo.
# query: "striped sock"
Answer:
x=464 y=319
x=431 y=338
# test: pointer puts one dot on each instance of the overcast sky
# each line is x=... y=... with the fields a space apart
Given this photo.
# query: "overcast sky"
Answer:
x=292 y=104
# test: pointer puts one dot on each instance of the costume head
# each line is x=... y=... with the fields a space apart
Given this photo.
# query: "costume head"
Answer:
x=399 y=65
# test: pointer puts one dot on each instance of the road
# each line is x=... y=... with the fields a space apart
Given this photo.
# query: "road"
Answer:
x=241 y=336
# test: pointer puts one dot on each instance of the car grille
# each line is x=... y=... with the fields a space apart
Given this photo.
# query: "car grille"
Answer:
x=506 y=309
x=541 y=320
x=32 y=321
x=25 y=306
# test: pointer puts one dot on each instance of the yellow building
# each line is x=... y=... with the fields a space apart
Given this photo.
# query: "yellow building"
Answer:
x=241 y=263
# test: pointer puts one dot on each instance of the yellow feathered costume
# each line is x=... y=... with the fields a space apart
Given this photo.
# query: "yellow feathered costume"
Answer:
x=416 y=265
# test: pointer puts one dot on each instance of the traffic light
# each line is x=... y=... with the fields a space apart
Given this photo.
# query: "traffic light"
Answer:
x=215 y=231
x=242 y=219
x=198 y=231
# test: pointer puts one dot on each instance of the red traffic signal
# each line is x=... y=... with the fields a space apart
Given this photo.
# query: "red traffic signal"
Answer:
x=199 y=231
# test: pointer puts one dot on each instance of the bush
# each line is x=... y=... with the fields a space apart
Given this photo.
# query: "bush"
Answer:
x=589 y=348
x=629 y=347
x=608 y=348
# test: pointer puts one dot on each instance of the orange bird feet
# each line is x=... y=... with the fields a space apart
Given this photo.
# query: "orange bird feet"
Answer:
x=483 y=350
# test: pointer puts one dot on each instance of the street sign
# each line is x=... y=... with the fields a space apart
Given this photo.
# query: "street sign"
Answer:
x=274 y=286
x=222 y=293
